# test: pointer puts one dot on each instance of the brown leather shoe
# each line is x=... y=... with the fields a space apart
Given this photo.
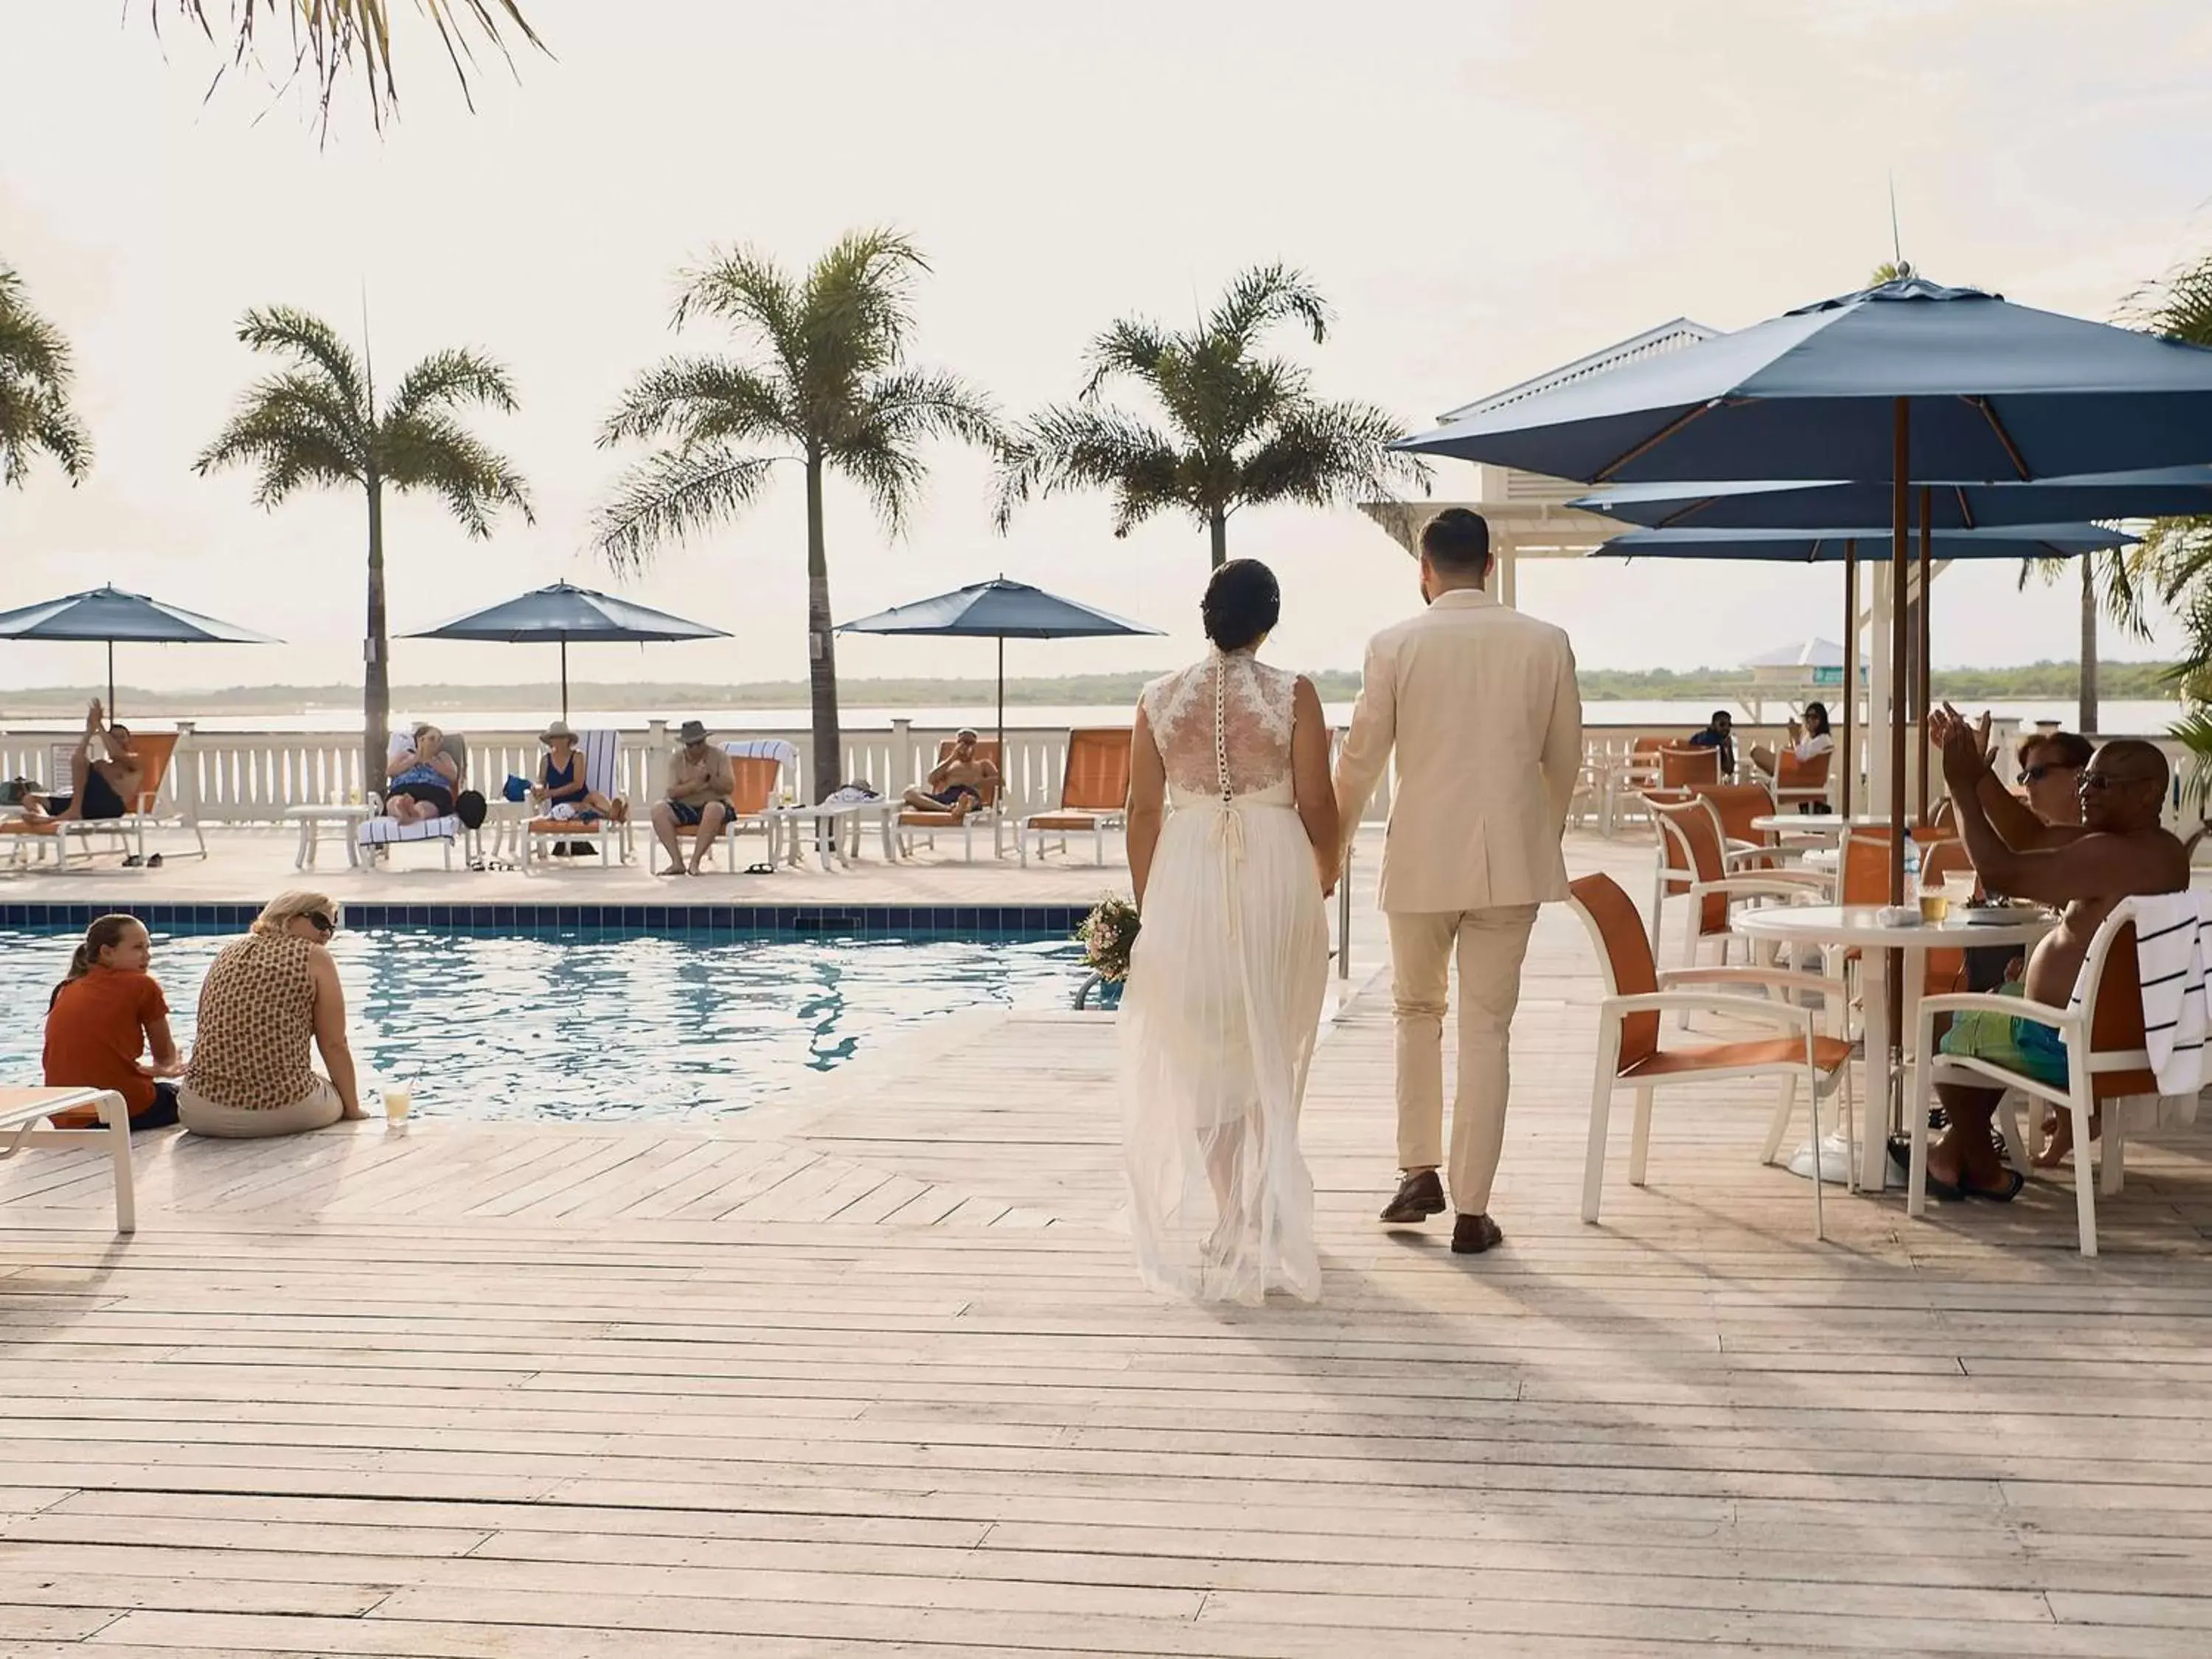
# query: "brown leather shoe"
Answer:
x=1420 y=1196
x=1473 y=1234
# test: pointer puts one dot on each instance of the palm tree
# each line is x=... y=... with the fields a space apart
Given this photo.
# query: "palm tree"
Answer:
x=1243 y=429
x=35 y=372
x=318 y=423
x=2175 y=559
x=828 y=386
x=330 y=36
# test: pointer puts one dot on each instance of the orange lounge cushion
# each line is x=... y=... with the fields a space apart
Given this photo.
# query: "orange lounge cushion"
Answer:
x=1828 y=1052
x=929 y=821
x=1064 y=820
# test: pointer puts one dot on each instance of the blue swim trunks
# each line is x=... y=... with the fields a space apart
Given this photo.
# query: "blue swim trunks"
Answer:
x=2024 y=1046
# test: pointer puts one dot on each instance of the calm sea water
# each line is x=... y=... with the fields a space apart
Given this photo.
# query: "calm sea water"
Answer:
x=2144 y=717
x=596 y=1024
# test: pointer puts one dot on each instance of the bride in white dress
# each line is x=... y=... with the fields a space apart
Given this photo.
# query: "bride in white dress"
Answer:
x=1226 y=981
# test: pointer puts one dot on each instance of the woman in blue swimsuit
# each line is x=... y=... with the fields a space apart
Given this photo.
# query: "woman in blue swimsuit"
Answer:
x=561 y=780
x=421 y=779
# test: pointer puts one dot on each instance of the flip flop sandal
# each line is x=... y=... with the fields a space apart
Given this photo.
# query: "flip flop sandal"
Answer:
x=2014 y=1181
x=131 y=861
x=154 y=862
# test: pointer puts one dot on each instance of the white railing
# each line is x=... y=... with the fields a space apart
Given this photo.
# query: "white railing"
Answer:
x=251 y=777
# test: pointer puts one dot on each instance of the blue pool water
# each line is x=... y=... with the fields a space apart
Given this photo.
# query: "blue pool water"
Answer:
x=597 y=1024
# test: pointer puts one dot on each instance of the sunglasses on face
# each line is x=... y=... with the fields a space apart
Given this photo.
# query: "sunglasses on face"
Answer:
x=2036 y=774
x=2093 y=782
x=322 y=924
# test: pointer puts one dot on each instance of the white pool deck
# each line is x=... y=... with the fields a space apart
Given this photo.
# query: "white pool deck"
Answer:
x=869 y=1374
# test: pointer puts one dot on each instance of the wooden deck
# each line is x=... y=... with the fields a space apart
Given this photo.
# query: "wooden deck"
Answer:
x=870 y=1374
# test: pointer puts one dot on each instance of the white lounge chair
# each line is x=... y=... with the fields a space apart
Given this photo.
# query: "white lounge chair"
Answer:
x=24 y=1115
x=156 y=751
x=602 y=753
x=379 y=832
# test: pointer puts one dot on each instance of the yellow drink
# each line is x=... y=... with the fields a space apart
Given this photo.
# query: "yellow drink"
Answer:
x=399 y=1101
x=1934 y=906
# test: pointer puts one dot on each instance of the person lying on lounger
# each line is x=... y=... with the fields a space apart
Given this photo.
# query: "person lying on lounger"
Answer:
x=422 y=779
x=957 y=783
x=105 y=776
x=2119 y=850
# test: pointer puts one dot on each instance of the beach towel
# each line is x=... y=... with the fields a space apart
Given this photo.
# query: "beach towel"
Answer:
x=2171 y=946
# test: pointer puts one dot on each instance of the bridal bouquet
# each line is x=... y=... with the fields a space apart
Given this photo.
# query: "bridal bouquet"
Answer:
x=1108 y=932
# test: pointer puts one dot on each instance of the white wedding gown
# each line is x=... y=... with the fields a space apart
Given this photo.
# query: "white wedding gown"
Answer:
x=1224 y=997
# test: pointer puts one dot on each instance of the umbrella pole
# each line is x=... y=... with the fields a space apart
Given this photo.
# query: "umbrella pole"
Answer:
x=564 y=681
x=1925 y=680
x=1894 y=960
x=1851 y=669
x=1002 y=719
x=111 y=679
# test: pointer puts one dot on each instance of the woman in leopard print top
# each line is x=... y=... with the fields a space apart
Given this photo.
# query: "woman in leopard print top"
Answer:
x=264 y=999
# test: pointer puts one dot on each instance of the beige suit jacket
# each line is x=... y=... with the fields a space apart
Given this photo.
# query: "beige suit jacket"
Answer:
x=1479 y=703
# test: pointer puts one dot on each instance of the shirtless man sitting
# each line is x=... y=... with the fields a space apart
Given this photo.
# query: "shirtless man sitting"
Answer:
x=2119 y=850
x=958 y=783
x=99 y=789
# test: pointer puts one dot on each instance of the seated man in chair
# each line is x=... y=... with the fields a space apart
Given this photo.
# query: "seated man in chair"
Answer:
x=700 y=786
x=957 y=783
x=100 y=789
x=2119 y=850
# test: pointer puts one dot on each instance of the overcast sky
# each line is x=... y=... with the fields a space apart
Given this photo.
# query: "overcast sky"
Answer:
x=1484 y=188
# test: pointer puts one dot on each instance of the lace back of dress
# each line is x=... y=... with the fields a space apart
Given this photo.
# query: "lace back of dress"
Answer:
x=1224 y=726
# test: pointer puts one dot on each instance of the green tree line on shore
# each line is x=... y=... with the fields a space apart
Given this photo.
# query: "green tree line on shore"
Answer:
x=2032 y=682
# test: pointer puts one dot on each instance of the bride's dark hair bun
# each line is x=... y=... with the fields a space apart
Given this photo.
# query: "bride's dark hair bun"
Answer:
x=1241 y=603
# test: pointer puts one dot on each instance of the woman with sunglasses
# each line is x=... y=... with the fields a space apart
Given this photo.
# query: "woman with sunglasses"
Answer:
x=264 y=1000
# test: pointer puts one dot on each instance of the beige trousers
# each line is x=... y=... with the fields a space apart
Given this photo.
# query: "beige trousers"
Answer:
x=316 y=1111
x=1491 y=944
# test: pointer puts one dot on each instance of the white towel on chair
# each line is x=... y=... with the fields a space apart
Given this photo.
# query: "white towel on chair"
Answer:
x=376 y=832
x=2171 y=947
x=775 y=749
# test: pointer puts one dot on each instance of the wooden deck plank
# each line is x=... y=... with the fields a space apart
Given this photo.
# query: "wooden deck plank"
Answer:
x=869 y=1373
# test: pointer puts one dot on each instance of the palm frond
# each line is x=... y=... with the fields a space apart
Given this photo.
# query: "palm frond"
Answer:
x=697 y=399
x=889 y=471
x=1085 y=448
x=310 y=342
x=672 y=495
x=331 y=38
x=1267 y=295
x=448 y=378
x=1324 y=454
x=297 y=429
x=435 y=452
x=1132 y=346
x=745 y=288
x=913 y=404
x=2178 y=304
x=36 y=372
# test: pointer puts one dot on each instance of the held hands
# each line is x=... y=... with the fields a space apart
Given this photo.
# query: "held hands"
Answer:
x=1964 y=754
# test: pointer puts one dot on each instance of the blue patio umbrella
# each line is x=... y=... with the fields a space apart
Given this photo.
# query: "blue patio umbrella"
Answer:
x=2064 y=541
x=1907 y=383
x=1002 y=610
x=564 y=612
x=108 y=615
x=1792 y=504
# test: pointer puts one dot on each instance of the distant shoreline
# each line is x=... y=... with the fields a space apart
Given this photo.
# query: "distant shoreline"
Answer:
x=2118 y=681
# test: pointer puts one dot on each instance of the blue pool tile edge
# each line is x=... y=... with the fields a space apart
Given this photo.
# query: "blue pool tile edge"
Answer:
x=800 y=919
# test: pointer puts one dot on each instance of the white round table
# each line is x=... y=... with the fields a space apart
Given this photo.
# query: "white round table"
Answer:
x=1828 y=826
x=1861 y=926
x=311 y=820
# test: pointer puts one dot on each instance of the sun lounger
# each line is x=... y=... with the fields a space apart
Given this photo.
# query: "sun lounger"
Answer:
x=920 y=826
x=601 y=753
x=156 y=750
x=23 y=1123
x=380 y=834
x=1094 y=794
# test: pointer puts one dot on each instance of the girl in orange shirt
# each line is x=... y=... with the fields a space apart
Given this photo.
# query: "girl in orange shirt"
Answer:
x=107 y=1013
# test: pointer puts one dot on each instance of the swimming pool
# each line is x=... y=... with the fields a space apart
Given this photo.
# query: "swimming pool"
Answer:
x=598 y=1023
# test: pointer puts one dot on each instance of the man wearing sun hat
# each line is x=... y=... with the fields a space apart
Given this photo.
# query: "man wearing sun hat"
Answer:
x=700 y=785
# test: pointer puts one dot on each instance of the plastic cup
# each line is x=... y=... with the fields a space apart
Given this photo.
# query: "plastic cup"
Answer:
x=1958 y=887
x=399 y=1101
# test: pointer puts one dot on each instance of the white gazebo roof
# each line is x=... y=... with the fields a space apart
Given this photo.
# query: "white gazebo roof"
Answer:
x=1808 y=653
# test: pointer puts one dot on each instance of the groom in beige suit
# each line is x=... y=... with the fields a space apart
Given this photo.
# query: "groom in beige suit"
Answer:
x=1480 y=702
